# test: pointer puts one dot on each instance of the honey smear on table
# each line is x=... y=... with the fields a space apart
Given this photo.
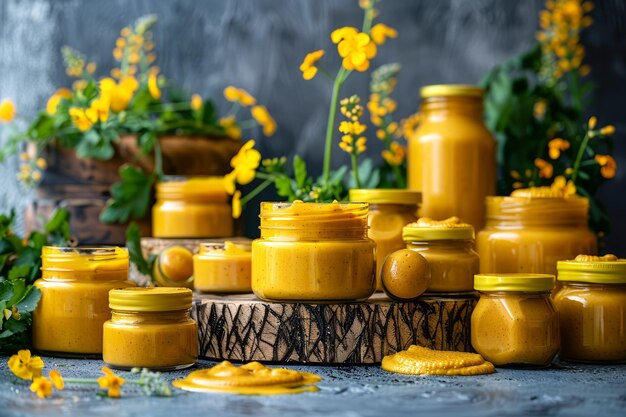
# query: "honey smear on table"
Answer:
x=417 y=360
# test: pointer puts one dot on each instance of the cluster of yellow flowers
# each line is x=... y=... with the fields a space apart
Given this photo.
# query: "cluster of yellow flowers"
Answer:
x=134 y=48
x=561 y=24
x=31 y=168
x=28 y=367
x=244 y=165
x=352 y=142
x=260 y=114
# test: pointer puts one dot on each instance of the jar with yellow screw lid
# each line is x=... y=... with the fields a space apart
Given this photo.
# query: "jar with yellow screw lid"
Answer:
x=451 y=155
x=515 y=321
x=173 y=267
x=313 y=252
x=592 y=308
x=191 y=207
x=532 y=229
x=447 y=245
x=389 y=211
x=223 y=267
x=74 y=301
x=150 y=328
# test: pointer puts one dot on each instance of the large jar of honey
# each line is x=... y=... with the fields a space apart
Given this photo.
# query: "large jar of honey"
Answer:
x=451 y=157
x=532 y=229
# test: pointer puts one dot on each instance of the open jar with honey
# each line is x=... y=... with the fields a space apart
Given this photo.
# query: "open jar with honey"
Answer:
x=223 y=267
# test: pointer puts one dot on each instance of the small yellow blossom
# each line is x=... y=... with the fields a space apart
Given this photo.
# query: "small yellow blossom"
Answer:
x=545 y=168
x=55 y=99
x=356 y=48
x=153 y=86
x=567 y=187
x=98 y=111
x=36 y=176
x=25 y=366
x=607 y=130
x=111 y=382
x=24 y=156
x=245 y=163
x=57 y=379
x=231 y=127
x=7 y=111
x=196 y=102
x=120 y=43
x=91 y=67
x=380 y=32
x=236 y=204
x=42 y=386
x=515 y=175
x=517 y=184
x=593 y=121
x=229 y=182
x=125 y=32
x=395 y=155
x=263 y=117
x=118 y=54
x=308 y=68
x=239 y=95
x=79 y=85
x=352 y=128
x=539 y=109
x=608 y=166
x=409 y=125
x=556 y=146
x=116 y=73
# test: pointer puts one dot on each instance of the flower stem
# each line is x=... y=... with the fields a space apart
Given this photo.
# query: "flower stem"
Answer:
x=355 y=171
x=331 y=124
x=158 y=158
x=400 y=180
x=579 y=156
x=256 y=191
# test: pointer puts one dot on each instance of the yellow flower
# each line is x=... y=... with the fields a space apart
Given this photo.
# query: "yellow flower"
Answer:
x=196 y=102
x=7 y=111
x=118 y=54
x=119 y=95
x=539 y=109
x=352 y=128
x=98 y=111
x=153 y=86
x=567 y=187
x=608 y=166
x=409 y=125
x=515 y=175
x=361 y=144
x=556 y=146
x=55 y=99
x=239 y=95
x=42 y=386
x=263 y=117
x=593 y=121
x=25 y=366
x=231 y=127
x=545 y=168
x=308 y=68
x=607 y=130
x=35 y=176
x=245 y=163
x=356 y=48
x=111 y=382
x=79 y=85
x=395 y=154
x=57 y=379
x=380 y=32
x=236 y=204
x=116 y=73
x=229 y=182
x=80 y=119
x=91 y=67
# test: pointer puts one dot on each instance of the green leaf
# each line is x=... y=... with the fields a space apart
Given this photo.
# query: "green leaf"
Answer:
x=209 y=115
x=299 y=171
x=19 y=290
x=42 y=128
x=133 y=242
x=130 y=197
x=20 y=271
x=283 y=186
x=58 y=227
x=146 y=141
x=29 y=302
x=6 y=291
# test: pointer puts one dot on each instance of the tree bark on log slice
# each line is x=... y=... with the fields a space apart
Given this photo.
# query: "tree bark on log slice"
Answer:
x=244 y=328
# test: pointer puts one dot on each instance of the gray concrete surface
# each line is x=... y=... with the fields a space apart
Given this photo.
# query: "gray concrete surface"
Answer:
x=563 y=390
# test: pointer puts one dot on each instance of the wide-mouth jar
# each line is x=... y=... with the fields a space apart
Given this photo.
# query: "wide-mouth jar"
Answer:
x=592 y=308
x=223 y=267
x=448 y=246
x=75 y=288
x=191 y=207
x=515 y=322
x=313 y=252
x=150 y=328
x=389 y=211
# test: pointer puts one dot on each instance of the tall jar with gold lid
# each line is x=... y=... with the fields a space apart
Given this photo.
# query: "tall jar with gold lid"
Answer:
x=451 y=156
x=532 y=229
x=313 y=252
x=389 y=211
x=592 y=308
x=448 y=246
x=191 y=207
x=74 y=301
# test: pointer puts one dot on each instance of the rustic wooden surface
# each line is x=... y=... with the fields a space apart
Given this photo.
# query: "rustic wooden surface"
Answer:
x=241 y=327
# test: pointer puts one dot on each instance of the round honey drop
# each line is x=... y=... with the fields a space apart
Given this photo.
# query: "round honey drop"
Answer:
x=405 y=275
x=173 y=264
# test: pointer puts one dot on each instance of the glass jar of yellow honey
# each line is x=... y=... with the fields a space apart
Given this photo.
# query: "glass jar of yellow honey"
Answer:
x=532 y=229
x=150 y=328
x=74 y=301
x=313 y=252
x=389 y=211
x=223 y=267
x=592 y=308
x=173 y=267
x=191 y=207
x=448 y=246
x=451 y=156
x=515 y=322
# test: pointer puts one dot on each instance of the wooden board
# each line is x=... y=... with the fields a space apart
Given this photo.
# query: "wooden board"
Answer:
x=244 y=328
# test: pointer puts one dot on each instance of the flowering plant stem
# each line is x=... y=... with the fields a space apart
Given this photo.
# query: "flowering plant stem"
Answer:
x=355 y=171
x=579 y=156
x=339 y=79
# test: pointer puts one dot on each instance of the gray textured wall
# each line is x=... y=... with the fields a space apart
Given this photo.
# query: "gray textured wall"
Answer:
x=258 y=45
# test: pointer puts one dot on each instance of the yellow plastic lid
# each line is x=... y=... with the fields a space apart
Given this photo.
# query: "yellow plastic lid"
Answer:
x=514 y=282
x=150 y=299
x=426 y=229
x=451 y=90
x=606 y=269
x=385 y=196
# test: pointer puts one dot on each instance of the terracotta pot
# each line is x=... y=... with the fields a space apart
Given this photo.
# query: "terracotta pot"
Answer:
x=82 y=185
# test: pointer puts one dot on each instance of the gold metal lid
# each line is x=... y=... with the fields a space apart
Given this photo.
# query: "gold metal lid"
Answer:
x=514 y=282
x=426 y=229
x=442 y=90
x=386 y=196
x=606 y=269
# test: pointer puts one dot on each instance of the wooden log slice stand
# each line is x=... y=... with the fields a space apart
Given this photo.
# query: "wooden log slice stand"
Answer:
x=244 y=328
